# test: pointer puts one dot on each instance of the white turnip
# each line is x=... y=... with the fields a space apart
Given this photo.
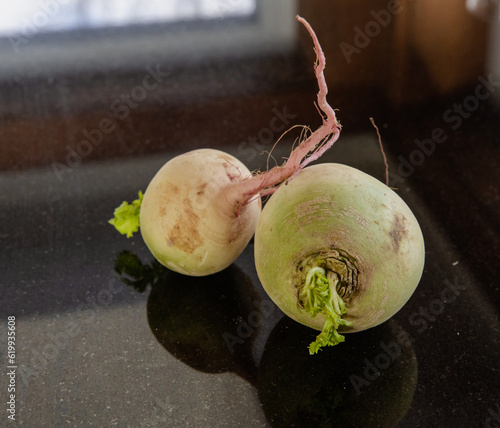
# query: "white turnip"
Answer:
x=186 y=220
x=201 y=208
x=338 y=251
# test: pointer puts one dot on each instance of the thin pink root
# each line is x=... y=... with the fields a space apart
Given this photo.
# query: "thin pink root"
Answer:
x=382 y=150
x=308 y=151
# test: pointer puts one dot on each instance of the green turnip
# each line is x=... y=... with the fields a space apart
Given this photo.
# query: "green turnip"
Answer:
x=338 y=251
x=200 y=210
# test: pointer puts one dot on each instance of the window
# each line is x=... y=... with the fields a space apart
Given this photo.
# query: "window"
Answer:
x=37 y=36
x=47 y=16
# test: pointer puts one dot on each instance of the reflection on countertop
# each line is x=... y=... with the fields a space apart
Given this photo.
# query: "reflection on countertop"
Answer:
x=211 y=323
x=88 y=117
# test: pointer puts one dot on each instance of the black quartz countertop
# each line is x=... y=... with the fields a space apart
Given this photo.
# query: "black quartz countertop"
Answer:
x=105 y=336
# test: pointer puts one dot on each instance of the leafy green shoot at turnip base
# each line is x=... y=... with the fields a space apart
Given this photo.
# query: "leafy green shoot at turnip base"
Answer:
x=126 y=217
x=319 y=295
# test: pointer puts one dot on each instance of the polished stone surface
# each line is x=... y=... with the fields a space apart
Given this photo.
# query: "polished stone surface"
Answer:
x=106 y=337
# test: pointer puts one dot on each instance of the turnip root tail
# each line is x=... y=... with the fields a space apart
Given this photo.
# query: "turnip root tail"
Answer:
x=308 y=151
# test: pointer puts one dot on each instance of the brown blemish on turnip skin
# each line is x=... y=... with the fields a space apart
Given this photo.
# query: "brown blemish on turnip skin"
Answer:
x=201 y=189
x=398 y=231
x=185 y=232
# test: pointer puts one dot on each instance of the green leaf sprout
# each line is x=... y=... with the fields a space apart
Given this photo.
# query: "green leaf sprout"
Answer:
x=126 y=217
x=319 y=295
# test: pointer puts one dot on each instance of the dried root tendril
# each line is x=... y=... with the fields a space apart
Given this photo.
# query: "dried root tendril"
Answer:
x=309 y=150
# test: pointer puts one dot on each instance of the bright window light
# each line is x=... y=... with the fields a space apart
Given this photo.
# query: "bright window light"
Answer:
x=46 y=16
